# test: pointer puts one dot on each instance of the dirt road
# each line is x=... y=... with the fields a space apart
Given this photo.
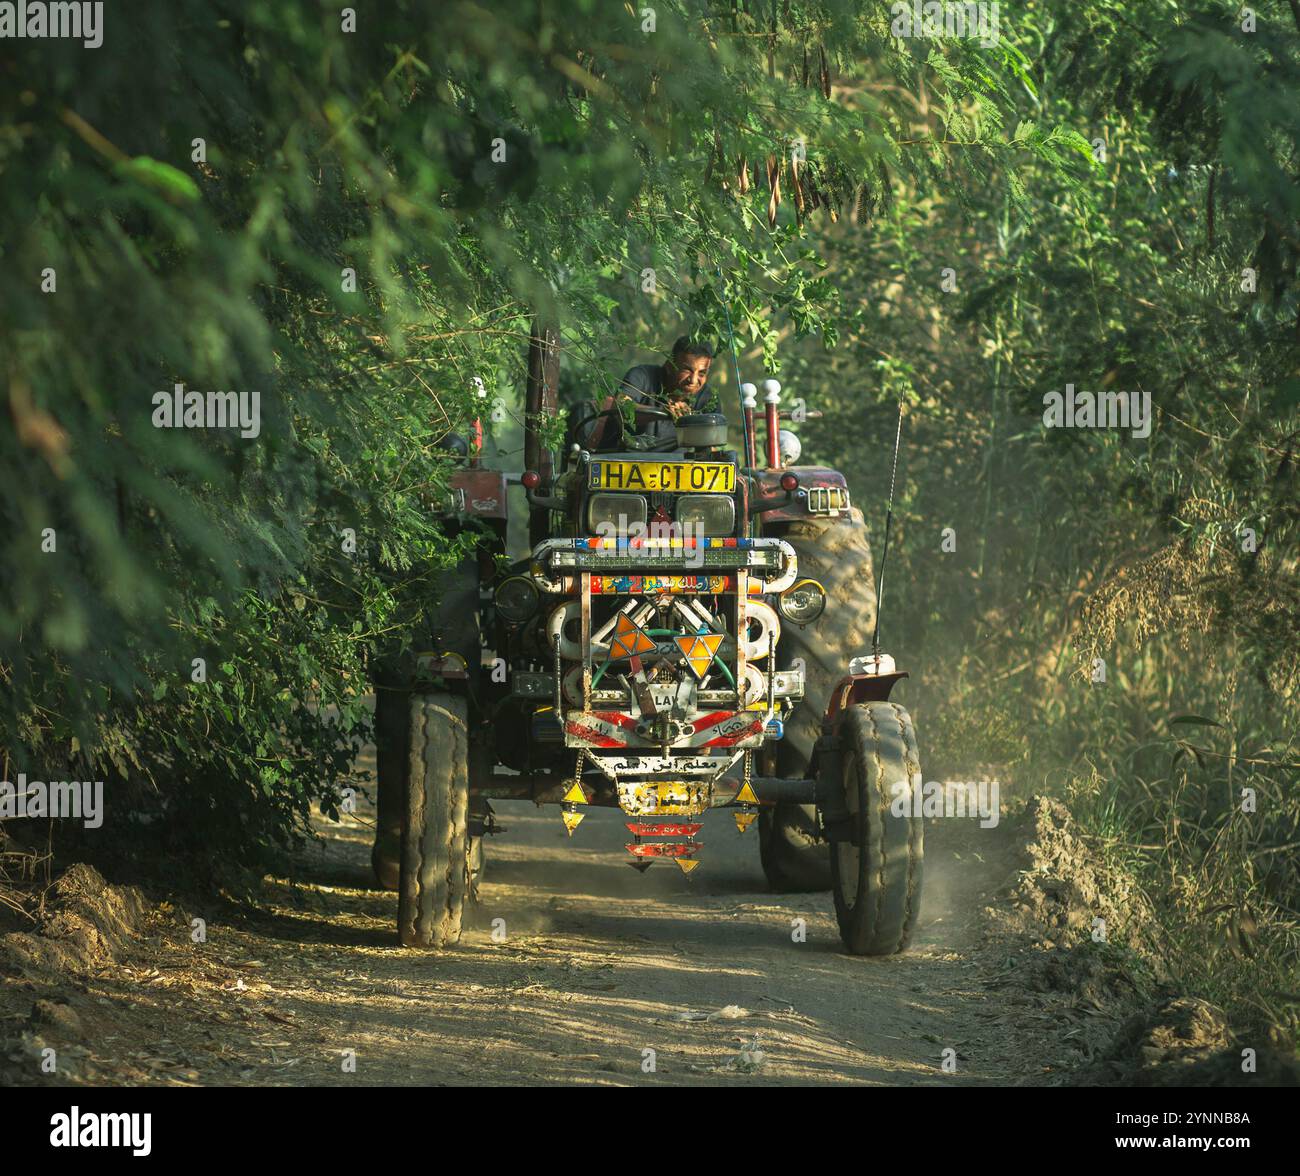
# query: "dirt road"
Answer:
x=591 y=964
x=572 y=968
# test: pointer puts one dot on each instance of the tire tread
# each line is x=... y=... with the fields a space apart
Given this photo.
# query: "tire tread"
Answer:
x=880 y=745
x=434 y=878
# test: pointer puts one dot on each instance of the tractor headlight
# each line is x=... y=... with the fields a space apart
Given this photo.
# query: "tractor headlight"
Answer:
x=706 y=514
x=803 y=602
x=517 y=599
x=616 y=513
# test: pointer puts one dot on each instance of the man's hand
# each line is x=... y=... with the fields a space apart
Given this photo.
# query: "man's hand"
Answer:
x=678 y=408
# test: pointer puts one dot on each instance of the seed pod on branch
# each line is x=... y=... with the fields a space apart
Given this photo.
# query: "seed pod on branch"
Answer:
x=714 y=155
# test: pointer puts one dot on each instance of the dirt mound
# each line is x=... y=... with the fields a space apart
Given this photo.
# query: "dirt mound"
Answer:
x=88 y=924
x=1062 y=891
x=1091 y=975
x=1185 y=1041
x=1084 y=936
x=1077 y=935
x=1090 y=930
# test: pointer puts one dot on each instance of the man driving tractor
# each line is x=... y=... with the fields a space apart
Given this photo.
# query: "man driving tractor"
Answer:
x=677 y=386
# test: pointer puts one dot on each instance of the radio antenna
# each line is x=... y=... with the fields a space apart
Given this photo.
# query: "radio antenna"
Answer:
x=889 y=519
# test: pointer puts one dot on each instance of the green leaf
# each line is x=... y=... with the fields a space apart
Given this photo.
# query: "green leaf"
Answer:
x=167 y=181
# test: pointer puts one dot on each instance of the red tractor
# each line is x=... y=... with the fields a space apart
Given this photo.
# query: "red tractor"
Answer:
x=662 y=648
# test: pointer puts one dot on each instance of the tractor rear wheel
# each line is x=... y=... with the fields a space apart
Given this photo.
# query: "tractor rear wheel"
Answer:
x=474 y=865
x=836 y=553
x=452 y=628
x=392 y=754
x=876 y=871
x=436 y=846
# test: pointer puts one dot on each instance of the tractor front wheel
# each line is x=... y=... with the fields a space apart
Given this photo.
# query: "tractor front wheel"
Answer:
x=876 y=853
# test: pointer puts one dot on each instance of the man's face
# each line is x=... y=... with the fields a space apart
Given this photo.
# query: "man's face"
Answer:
x=690 y=374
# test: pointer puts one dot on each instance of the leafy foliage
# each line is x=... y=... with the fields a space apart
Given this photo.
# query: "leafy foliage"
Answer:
x=1169 y=560
x=1105 y=197
x=357 y=225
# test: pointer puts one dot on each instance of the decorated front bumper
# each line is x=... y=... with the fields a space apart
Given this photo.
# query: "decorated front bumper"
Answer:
x=664 y=673
x=706 y=627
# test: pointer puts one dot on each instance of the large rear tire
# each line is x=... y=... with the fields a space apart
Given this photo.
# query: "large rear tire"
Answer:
x=877 y=874
x=474 y=859
x=435 y=876
x=452 y=628
x=392 y=757
x=836 y=553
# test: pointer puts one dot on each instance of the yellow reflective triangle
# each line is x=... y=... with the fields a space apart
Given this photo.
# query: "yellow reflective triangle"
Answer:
x=711 y=641
x=629 y=640
x=575 y=795
x=698 y=650
x=746 y=795
x=744 y=820
x=572 y=820
x=686 y=864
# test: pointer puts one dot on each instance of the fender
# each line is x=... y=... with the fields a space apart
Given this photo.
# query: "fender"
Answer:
x=855 y=688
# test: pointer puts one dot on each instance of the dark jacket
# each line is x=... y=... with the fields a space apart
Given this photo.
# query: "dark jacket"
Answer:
x=645 y=384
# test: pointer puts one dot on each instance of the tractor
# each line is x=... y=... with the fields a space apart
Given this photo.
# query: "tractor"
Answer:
x=686 y=633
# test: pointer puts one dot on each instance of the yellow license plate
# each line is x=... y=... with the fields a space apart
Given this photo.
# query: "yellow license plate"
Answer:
x=664 y=477
x=664 y=798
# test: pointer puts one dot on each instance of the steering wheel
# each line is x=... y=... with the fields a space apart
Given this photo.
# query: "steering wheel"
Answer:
x=642 y=410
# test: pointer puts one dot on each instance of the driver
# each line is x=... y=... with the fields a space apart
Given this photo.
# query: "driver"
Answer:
x=677 y=386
